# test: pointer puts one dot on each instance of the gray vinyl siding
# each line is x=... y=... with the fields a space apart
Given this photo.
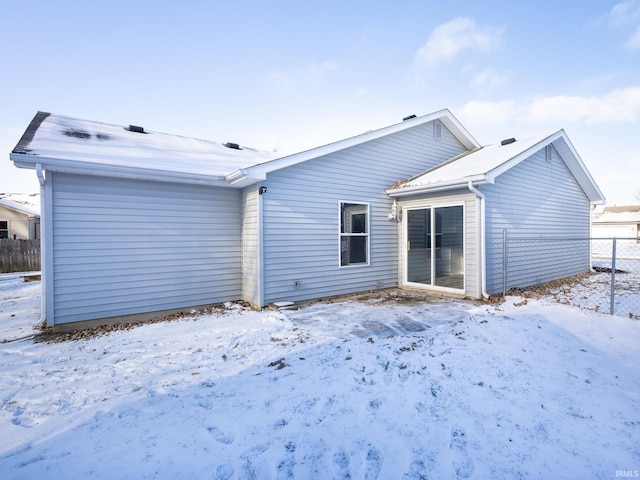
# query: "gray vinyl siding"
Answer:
x=536 y=200
x=472 y=282
x=301 y=214
x=251 y=246
x=125 y=247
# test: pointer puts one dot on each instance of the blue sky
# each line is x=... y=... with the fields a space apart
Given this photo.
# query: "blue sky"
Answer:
x=292 y=75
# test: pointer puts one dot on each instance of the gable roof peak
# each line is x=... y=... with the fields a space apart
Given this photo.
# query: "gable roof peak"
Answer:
x=485 y=164
x=258 y=172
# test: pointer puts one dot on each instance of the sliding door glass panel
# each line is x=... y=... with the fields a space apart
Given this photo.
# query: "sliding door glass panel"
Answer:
x=419 y=246
x=449 y=251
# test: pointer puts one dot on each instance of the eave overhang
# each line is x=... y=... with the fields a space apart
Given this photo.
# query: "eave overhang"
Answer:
x=22 y=160
x=437 y=187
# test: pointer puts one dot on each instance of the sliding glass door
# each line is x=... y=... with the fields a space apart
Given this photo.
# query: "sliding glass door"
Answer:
x=435 y=246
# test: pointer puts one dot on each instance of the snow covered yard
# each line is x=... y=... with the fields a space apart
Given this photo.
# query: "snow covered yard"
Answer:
x=394 y=386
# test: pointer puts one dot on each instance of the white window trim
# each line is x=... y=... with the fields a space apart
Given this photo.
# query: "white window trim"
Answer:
x=367 y=234
x=8 y=229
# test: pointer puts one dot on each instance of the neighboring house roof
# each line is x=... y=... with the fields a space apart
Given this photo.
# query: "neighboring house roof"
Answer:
x=71 y=145
x=485 y=164
x=29 y=204
x=626 y=214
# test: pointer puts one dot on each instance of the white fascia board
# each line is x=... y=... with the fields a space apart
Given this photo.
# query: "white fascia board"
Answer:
x=260 y=171
x=569 y=156
x=578 y=169
x=460 y=132
x=136 y=173
x=437 y=187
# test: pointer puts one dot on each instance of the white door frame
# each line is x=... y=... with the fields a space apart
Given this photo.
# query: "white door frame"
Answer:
x=405 y=250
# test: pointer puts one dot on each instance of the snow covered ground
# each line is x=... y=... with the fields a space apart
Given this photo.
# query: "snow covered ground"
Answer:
x=394 y=386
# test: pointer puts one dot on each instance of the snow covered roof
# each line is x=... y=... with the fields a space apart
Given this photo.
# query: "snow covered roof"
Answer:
x=622 y=214
x=65 y=144
x=22 y=202
x=258 y=172
x=71 y=145
x=485 y=164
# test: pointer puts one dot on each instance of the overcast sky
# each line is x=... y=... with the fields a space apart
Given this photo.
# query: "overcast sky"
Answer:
x=292 y=75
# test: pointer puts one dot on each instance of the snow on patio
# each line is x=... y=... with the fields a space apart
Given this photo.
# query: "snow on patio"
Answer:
x=389 y=386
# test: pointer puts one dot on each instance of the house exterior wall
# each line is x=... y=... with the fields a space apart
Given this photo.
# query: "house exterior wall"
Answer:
x=301 y=214
x=472 y=281
x=124 y=247
x=533 y=200
x=20 y=225
x=251 y=251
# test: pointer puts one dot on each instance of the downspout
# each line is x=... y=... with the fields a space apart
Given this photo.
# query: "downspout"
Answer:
x=260 y=247
x=43 y=232
x=482 y=244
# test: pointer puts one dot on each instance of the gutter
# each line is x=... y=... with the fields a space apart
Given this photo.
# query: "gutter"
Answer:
x=436 y=187
x=242 y=178
x=21 y=160
x=482 y=243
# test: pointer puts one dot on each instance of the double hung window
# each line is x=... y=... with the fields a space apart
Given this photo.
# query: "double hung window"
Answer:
x=354 y=234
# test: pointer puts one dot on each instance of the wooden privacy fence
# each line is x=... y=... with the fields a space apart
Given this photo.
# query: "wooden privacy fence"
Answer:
x=19 y=256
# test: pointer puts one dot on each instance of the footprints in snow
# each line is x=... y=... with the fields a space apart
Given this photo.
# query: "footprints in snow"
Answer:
x=374 y=464
x=461 y=461
x=220 y=437
x=285 y=466
x=341 y=465
x=341 y=462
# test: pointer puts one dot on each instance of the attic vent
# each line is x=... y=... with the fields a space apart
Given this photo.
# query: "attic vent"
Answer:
x=234 y=146
x=408 y=118
x=135 y=129
x=507 y=141
x=548 y=153
x=437 y=130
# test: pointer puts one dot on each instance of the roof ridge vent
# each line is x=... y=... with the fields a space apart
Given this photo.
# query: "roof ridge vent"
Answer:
x=233 y=146
x=408 y=118
x=507 y=141
x=136 y=129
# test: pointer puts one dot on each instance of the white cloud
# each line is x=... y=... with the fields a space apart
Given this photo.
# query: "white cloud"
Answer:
x=449 y=39
x=310 y=73
x=621 y=105
x=624 y=16
x=282 y=81
x=313 y=72
x=634 y=40
x=489 y=113
x=624 y=12
x=618 y=106
x=491 y=77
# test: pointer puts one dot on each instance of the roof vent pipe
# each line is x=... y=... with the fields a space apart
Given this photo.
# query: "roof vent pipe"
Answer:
x=135 y=129
x=507 y=141
x=234 y=146
x=408 y=118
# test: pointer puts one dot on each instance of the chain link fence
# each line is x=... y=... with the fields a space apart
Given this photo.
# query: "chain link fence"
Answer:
x=601 y=274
